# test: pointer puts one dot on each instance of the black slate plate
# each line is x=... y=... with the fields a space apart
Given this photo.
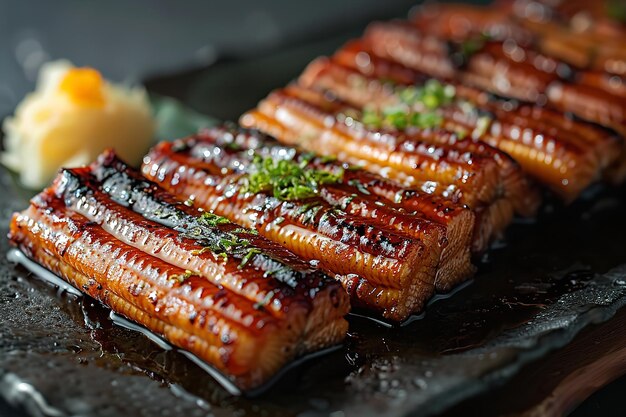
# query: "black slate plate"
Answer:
x=534 y=292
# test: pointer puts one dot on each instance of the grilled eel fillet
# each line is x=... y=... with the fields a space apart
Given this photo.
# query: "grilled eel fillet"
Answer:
x=390 y=247
x=503 y=68
x=565 y=155
x=434 y=220
x=580 y=42
x=601 y=18
x=473 y=173
x=237 y=301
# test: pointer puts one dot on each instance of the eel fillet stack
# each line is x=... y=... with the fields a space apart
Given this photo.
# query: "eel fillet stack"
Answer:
x=582 y=37
x=236 y=300
x=391 y=247
x=563 y=154
x=601 y=21
x=577 y=44
x=469 y=172
x=505 y=68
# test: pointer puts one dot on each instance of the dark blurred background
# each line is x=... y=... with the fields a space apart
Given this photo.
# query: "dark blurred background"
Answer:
x=135 y=41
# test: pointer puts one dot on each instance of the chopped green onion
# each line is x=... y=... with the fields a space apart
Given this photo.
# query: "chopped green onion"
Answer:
x=616 y=9
x=461 y=133
x=189 y=202
x=359 y=186
x=417 y=108
x=482 y=125
x=252 y=252
x=212 y=220
x=473 y=45
x=286 y=179
x=182 y=277
x=249 y=231
x=265 y=301
x=370 y=117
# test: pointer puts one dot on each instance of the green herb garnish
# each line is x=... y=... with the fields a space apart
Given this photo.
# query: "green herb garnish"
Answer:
x=182 y=277
x=324 y=159
x=397 y=117
x=212 y=220
x=371 y=117
x=400 y=119
x=359 y=186
x=348 y=201
x=200 y=251
x=233 y=146
x=310 y=214
x=221 y=244
x=286 y=179
x=417 y=107
x=249 y=231
x=616 y=9
x=432 y=95
x=473 y=45
x=305 y=158
x=231 y=241
x=252 y=252
x=461 y=133
x=273 y=272
x=265 y=301
x=482 y=125
x=189 y=202
x=353 y=168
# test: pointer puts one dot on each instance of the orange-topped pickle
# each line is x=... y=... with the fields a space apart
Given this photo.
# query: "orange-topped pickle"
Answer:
x=84 y=86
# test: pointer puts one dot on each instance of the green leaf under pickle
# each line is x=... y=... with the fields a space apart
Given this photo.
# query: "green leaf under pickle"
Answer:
x=175 y=120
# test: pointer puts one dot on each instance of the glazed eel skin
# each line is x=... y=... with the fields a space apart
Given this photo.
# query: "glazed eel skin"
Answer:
x=587 y=43
x=433 y=160
x=584 y=42
x=563 y=154
x=579 y=54
x=236 y=300
x=390 y=247
x=500 y=67
x=601 y=20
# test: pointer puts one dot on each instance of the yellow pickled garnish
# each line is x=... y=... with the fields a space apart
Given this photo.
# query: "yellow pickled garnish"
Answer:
x=83 y=86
